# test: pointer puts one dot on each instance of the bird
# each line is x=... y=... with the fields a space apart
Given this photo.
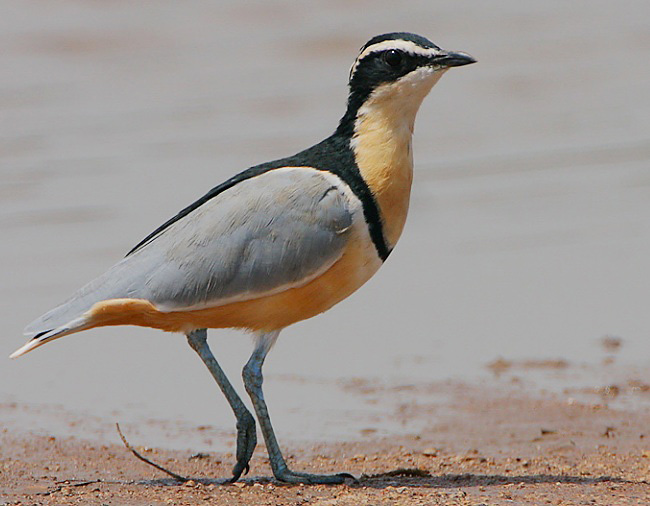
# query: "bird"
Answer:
x=278 y=243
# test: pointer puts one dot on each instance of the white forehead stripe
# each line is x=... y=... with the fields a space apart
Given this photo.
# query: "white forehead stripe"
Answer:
x=404 y=45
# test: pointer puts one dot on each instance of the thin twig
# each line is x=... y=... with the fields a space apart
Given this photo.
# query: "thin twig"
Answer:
x=146 y=460
x=67 y=484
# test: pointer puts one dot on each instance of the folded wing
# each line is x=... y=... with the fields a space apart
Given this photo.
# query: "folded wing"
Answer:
x=269 y=233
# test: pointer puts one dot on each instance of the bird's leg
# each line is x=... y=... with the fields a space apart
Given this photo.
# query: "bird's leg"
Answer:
x=246 y=435
x=253 y=379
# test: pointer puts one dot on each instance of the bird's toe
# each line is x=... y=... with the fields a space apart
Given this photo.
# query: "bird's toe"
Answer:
x=246 y=443
x=289 y=476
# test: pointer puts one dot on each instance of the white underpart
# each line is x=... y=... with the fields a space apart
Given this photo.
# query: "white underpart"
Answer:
x=356 y=209
x=265 y=340
x=403 y=45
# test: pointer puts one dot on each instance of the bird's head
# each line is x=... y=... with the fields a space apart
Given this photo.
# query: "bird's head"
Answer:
x=398 y=69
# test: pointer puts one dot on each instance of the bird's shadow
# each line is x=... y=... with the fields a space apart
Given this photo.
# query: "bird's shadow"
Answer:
x=476 y=480
x=419 y=479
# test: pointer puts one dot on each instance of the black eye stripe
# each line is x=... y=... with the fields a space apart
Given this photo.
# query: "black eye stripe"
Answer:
x=373 y=69
x=405 y=55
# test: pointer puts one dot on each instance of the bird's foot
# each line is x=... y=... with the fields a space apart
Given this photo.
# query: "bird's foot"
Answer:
x=246 y=442
x=287 y=475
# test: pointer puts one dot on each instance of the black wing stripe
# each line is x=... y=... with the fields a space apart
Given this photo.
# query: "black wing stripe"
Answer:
x=333 y=155
x=242 y=176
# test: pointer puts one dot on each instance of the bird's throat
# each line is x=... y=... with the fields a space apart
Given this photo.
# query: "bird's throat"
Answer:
x=382 y=147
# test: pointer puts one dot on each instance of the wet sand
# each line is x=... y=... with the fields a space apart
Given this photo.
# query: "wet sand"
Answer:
x=483 y=446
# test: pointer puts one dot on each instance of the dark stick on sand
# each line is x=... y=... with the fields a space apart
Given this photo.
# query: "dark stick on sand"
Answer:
x=146 y=460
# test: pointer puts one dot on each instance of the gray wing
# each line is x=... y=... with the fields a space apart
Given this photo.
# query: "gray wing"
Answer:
x=263 y=235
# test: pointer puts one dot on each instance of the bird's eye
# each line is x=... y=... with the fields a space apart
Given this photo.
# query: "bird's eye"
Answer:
x=393 y=57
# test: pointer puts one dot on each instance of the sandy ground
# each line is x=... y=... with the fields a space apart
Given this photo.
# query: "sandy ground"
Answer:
x=482 y=448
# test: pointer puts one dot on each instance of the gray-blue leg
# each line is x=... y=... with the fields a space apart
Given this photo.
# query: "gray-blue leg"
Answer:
x=246 y=435
x=253 y=379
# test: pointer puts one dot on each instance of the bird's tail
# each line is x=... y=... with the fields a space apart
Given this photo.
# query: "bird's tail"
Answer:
x=43 y=337
x=121 y=280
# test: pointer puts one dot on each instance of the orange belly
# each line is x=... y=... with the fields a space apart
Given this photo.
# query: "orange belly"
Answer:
x=358 y=263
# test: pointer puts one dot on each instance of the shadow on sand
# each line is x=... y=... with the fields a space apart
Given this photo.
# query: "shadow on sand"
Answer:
x=417 y=478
